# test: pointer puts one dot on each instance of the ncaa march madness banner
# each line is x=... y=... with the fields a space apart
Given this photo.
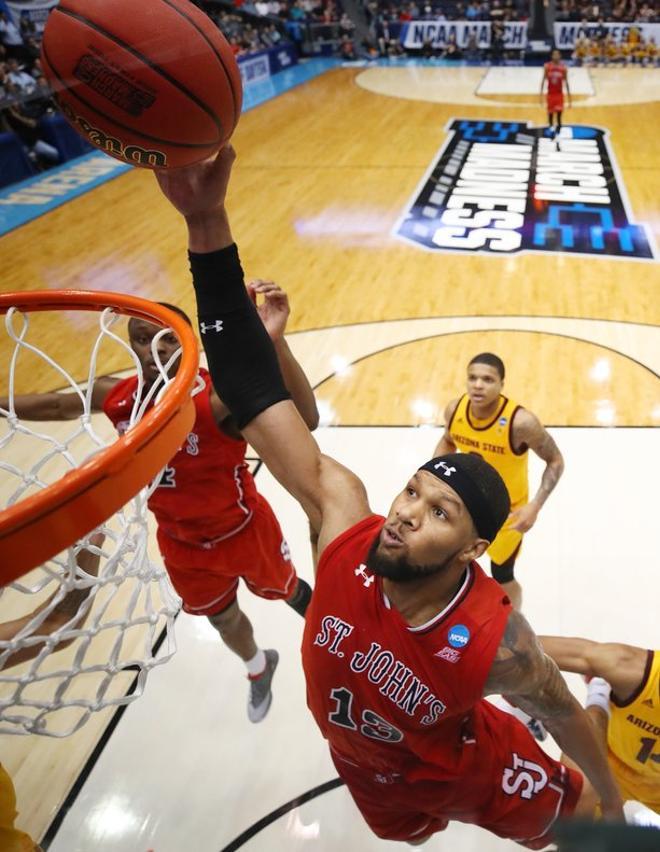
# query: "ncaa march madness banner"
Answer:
x=415 y=33
x=503 y=187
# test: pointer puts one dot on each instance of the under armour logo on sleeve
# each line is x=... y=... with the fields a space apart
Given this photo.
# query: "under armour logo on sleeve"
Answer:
x=368 y=578
x=448 y=470
x=211 y=326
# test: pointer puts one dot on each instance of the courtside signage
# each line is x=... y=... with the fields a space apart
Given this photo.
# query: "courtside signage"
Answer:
x=501 y=188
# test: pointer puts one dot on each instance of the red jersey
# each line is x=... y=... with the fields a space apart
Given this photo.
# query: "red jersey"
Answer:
x=396 y=699
x=206 y=493
x=555 y=75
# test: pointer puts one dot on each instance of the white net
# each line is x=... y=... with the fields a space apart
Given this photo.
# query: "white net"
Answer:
x=80 y=632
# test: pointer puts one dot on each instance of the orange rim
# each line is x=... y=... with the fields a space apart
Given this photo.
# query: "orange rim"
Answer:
x=42 y=525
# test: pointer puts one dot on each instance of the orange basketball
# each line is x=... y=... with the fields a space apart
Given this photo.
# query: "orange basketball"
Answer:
x=152 y=82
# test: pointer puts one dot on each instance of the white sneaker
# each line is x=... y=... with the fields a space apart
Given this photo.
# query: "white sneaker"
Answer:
x=261 y=696
x=638 y=814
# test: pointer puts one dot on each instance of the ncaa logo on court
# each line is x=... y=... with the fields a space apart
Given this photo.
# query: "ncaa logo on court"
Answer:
x=458 y=636
x=504 y=187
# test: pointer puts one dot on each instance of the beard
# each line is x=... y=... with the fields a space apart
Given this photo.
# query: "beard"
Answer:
x=398 y=569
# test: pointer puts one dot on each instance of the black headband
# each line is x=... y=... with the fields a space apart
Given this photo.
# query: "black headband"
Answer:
x=452 y=470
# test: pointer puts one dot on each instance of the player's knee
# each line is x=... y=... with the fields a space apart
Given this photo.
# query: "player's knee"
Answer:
x=226 y=620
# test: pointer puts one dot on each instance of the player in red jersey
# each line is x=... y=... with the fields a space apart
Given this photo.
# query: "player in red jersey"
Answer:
x=405 y=634
x=213 y=525
x=556 y=75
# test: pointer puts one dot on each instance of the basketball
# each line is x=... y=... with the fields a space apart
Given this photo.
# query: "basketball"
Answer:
x=153 y=83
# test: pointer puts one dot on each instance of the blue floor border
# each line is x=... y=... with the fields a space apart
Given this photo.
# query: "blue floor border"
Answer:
x=29 y=199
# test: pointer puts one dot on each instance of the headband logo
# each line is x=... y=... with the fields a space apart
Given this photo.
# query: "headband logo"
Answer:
x=448 y=470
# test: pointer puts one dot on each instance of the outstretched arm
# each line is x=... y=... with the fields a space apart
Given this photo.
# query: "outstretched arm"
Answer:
x=529 y=431
x=622 y=666
x=532 y=681
x=242 y=359
x=56 y=405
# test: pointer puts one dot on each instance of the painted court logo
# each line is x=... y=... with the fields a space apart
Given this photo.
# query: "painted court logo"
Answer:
x=501 y=187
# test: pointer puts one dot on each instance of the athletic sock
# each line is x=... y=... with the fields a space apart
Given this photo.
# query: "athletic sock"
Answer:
x=598 y=694
x=300 y=599
x=257 y=665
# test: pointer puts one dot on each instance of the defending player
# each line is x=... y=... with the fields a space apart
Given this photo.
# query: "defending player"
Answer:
x=213 y=525
x=623 y=701
x=556 y=75
x=486 y=422
x=404 y=633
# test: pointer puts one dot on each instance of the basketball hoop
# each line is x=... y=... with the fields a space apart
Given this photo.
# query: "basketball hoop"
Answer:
x=83 y=496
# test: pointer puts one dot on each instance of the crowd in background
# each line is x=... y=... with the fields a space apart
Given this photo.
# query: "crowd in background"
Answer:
x=255 y=25
x=625 y=11
x=24 y=93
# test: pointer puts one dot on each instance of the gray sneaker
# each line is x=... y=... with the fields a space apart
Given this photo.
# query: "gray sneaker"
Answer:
x=260 y=695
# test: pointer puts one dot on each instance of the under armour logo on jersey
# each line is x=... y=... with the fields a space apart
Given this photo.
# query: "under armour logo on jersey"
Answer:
x=448 y=470
x=524 y=777
x=368 y=578
x=211 y=326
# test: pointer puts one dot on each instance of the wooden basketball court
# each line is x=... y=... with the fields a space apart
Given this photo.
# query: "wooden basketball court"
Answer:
x=384 y=329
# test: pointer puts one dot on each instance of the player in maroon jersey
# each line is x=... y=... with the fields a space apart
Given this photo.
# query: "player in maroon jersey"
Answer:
x=555 y=74
x=213 y=525
x=405 y=634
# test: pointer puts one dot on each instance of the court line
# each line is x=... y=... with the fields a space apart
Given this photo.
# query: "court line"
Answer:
x=90 y=763
x=470 y=317
x=475 y=331
x=104 y=738
x=270 y=818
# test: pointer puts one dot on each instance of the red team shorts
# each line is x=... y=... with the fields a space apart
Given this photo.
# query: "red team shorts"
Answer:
x=516 y=791
x=555 y=103
x=206 y=578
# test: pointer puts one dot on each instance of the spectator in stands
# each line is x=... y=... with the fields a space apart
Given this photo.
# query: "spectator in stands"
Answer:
x=10 y=36
x=27 y=129
x=22 y=82
x=27 y=26
x=5 y=85
x=346 y=25
x=347 y=49
x=472 y=52
x=472 y=11
x=262 y=7
x=452 y=50
x=497 y=42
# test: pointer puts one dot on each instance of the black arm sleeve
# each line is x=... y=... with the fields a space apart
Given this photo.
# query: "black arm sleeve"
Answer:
x=242 y=359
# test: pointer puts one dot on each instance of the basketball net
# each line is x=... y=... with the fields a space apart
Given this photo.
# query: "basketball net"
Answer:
x=111 y=604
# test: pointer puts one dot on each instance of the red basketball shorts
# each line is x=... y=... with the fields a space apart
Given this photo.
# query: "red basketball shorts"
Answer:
x=555 y=103
x=206 y=578
x=515 y=790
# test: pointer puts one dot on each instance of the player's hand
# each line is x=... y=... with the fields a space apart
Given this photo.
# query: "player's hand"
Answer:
x=524 y=518
x=274 y=310
x=198 y=190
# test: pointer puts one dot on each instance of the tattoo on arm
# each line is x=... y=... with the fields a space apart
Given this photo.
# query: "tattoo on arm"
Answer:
x=528 y=677
x=537 y=438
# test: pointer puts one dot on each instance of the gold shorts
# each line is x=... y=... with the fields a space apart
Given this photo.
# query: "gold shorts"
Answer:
x=11 y=839
x=505 y=544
